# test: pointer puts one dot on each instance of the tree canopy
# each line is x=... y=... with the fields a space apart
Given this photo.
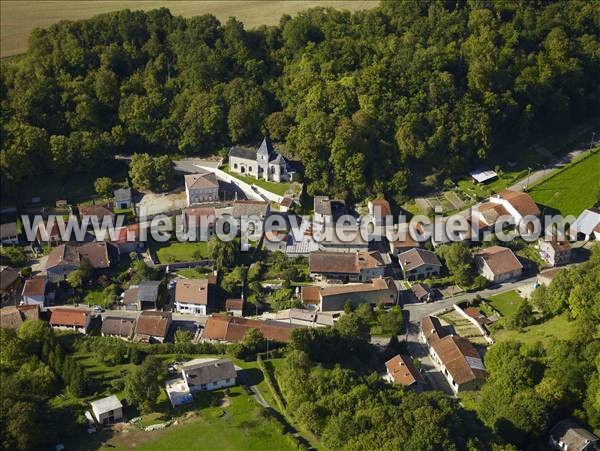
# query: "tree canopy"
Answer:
x=362 y=99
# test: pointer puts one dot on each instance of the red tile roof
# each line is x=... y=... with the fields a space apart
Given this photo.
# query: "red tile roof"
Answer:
x=69 y=317
x=501 y=260
x=403 y=370
x=460 y=358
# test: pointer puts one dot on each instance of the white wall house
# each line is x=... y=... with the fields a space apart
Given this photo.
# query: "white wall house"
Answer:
x=34 y=291
x=207 y=375
x=107 y=410
x=192 y=295
x=201 y=188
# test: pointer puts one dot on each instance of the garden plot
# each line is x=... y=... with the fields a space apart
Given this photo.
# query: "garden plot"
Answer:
x=456 y=201
x=464 y=327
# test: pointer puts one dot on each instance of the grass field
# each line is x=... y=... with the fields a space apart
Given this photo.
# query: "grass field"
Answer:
x=274 y=187
x=573 y=189
x=19 y=18
x=506 y=303
x=171 y=252
x=557 y=327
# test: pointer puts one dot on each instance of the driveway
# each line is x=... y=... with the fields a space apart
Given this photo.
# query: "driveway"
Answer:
x=154 y=204
x=191 y=165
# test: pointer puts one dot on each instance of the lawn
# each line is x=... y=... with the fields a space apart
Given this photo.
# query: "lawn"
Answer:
x=19 y=18
x=573 y=188
x=557 y=327
x=173 y=252
x=233 y=425
x=192 y=273
x=506 y=303
x=277 y=188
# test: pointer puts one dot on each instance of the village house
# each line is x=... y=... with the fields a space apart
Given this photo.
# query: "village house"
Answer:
x=67 y=258
x=231 y=329
x=194 y=296
x=567 y=435
x=97 y=215
x=142 y=296
x=498 y=264
x=234 y=307
x=347 y=267
x=51 y=236
x=546 y=276
x=71 y=319
x=13 y=317
x=199 y=222
x=107 y=410
x=9 y=233
x=123 y=198
x=381 y=212
x=327 y=210
x=478 y=317
x=200 y=188
x=34 y=291
x=152 y=327
x=401 y=370
x=378 y=291
x=587 y=226
x=263 y=163
x=419 y=264
x=276 y=241
x=118 y=327
x=421 y=292
x=346 y=239
x=431 y=330
x=404 y=241
x=10 y=284
x=208 y=375
x=514 y=204
x=250 y=208
x=127 y=239
x=459 y=362
x=555 y=252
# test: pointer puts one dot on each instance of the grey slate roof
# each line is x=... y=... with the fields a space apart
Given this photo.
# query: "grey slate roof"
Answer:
x=122 y=194
x=106 y=404
x=242 y=152
x=148 y=291
x=8 y=230
x=123 y=327
x=572 y=435
x=266 y=146
x=207 y=372
x=415 y=258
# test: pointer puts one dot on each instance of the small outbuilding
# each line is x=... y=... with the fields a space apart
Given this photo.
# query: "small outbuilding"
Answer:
x=107 y=410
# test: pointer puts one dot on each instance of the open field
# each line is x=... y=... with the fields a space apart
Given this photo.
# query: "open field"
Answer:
x=506 y=303
x=172 y=252
x=572 y=189
x=557 y=327
x=19 y=18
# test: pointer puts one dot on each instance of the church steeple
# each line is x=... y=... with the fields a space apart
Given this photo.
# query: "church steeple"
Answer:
x=265 y=150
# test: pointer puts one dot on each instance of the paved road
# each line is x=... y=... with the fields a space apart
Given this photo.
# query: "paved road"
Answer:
x=417 y=311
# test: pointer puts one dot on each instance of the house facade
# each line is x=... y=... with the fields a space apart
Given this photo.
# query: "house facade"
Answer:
x=123 y=198
x=9 y=233
x=71 y=319
x=347 y=267
x=555 y=252
x=498 y=264
x=107 y=410
x=34 y=291
x=264 y=163
x=152 y=327
x=142 y=296
x=201 y=188
x=401 y=370
x=419 y=264
x=194 y=295
x=459 y=362
x=378 y=291
x=208 y=375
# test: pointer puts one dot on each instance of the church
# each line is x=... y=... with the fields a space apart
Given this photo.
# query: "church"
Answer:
x=263 y=163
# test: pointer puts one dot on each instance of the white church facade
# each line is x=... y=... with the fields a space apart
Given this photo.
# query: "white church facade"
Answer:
x=263 y=163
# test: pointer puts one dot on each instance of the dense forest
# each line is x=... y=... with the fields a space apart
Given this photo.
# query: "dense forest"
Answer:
x=362 y=99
